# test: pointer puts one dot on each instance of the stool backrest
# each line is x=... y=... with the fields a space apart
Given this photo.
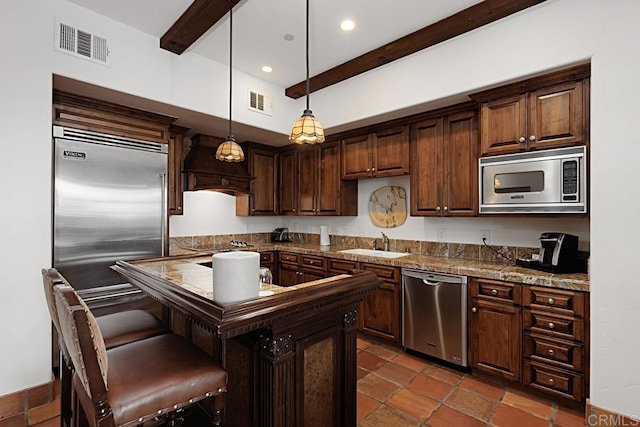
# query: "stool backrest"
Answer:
x=84 y=342
x=51 y=278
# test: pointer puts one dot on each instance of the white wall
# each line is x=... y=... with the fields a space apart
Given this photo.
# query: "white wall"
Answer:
x=551 y=35
x=208 y=212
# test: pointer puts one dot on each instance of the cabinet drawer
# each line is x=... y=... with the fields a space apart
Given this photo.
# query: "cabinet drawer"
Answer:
x=389 y=274
x=495 y=290
x=267 y=258
x=555 y=381
x=288 y=258
x=342 y=265
x=565 y=354
x=314 y=262
x=556 y=300
x=559 y=326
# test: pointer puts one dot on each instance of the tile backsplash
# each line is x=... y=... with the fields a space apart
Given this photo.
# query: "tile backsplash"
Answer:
x=444 y=249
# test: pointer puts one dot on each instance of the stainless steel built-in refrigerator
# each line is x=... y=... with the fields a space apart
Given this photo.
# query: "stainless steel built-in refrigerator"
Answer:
x=109 y=203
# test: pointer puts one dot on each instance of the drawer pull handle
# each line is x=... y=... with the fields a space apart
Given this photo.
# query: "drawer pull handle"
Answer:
x=311 y=262
x=551 y=301
x=551 y=381
x=551 y=352
x=494 y=292
x=551 y=325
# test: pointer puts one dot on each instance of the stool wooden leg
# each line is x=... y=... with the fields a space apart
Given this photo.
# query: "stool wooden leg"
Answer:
x=218 y=408
x=65 y=392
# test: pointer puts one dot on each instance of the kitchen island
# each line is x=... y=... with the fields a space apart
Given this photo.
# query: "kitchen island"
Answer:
x=290 y=356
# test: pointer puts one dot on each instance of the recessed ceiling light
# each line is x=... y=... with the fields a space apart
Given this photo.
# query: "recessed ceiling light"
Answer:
x=347 y=25
x=288 y=37
x=266 y=68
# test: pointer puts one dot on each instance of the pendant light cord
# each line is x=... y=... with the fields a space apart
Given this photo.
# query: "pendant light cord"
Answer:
x=307 y=54
x=230 y=60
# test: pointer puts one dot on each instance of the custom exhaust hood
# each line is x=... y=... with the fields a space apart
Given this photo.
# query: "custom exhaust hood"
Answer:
x=204 y=172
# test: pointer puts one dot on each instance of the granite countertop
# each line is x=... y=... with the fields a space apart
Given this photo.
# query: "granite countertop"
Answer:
x=466 y=267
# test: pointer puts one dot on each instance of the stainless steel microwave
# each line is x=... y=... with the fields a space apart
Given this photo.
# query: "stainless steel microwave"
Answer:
x=547 y=181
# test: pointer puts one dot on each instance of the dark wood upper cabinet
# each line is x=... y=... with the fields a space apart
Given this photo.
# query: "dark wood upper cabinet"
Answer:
x=310 y=182
x=444 y=166
x=549 y=111
x=377 y=154
x=176 y=156
x=262 y=164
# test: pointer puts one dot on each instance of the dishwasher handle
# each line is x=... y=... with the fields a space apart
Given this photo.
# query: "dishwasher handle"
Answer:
x=431 y=282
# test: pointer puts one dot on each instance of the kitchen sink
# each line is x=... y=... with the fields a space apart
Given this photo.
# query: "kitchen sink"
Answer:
x=374 y=253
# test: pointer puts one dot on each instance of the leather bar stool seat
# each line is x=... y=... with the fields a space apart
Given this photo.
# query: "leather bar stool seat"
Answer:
x=118 y=329
x=136 y=382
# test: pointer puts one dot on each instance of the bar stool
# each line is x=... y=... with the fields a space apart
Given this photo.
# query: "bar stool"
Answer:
x=117 y=329
x=136 y=382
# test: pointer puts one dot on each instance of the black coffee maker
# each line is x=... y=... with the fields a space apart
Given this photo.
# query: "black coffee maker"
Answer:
x=558 y=254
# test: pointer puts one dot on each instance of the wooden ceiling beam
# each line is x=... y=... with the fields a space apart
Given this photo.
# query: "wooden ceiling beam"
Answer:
x=193 y=23
x=466 y=20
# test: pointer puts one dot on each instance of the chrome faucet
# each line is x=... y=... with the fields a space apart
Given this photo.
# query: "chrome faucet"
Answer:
x=385 y=242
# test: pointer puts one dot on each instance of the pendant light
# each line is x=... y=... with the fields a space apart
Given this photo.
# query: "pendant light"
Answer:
x=307 y=130
x=229 y=150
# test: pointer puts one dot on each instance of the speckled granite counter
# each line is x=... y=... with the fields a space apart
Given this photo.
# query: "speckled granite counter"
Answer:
x=467 y=267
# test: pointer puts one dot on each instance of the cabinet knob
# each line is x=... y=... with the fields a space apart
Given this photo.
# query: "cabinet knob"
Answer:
x=368 y=169
x=474 y=310
x=446 y=208
x=532 y=138
x=438 y=209
x=522 y=139
x=311 y=262
x=551 y=381
x=373 y=169
x=552 y=325
x=551 y=352
x=551 y=301
x=294 y=209
x=179 y=208
x=494 y=292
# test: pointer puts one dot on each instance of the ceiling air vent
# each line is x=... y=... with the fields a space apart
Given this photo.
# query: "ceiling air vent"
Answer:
x=260 y=103
x=82 y=44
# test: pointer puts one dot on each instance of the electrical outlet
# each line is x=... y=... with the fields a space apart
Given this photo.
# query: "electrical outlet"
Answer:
x=442 y=234
x=485 y=236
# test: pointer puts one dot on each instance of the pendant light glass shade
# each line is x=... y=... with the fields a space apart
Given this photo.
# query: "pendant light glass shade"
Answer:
x=307 y=129
x=229 y=150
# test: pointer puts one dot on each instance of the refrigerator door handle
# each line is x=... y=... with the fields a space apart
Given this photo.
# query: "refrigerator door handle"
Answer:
x=163 y=223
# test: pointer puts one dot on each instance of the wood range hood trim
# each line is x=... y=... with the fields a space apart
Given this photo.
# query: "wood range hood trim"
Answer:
x=202 y=171
x=203 y=14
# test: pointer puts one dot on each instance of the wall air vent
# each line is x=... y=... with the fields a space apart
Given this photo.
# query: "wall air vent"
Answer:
x=260 y=103
x=81 y=44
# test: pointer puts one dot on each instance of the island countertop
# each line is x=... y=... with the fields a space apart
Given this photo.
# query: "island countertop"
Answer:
x=507 y=272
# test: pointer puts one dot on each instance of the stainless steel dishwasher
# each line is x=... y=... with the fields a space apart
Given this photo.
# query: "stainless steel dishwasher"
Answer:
x=434 y=310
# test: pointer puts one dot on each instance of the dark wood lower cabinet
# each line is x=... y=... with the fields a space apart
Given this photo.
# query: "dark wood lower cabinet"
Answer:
x=534 y=335
x=380 y=311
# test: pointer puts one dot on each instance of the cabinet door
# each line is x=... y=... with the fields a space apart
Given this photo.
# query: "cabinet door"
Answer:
x=262 y=166
x=503 y=125
x=288 y=182
x=288 y=275
x=174 y=172
x=391 y=152
x=356 y=157
x=307 y=177
x=556 y=116
x=308 y=276
x=495 y=338
x=328 y=180
x=379 y=312
x=426 y=157
x=460 y=175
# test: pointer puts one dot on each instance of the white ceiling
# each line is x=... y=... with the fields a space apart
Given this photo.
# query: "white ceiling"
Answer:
x=260 y=27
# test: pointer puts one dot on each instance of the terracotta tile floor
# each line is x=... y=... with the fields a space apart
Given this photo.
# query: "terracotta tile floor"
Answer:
x=399 y=389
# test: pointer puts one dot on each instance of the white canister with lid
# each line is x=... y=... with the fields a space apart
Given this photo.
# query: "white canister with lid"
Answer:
x=324 y=236
x=235 y=276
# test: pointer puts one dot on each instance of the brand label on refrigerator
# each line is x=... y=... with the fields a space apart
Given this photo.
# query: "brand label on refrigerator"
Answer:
x=74 y=154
